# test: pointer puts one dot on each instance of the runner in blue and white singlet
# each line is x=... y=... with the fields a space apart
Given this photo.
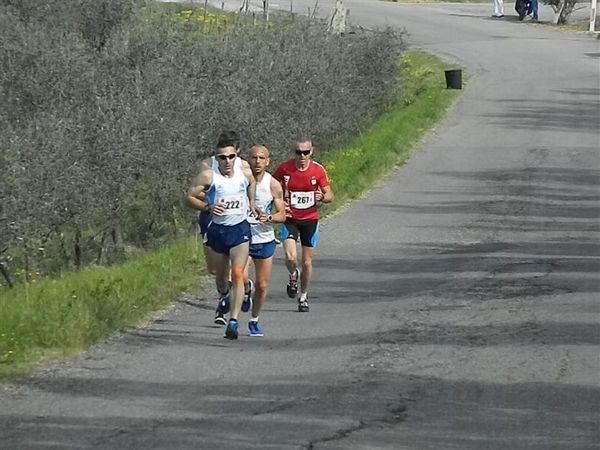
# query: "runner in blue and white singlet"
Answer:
x=226 y=190
x=271 y=209
x=262 y=232
x=231 y=193
x=204 y=217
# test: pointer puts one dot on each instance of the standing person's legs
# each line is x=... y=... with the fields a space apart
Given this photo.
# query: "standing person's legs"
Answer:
x=498 y=8
x=534 y=9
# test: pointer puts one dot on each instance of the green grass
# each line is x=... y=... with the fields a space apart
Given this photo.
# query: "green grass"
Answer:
x=53 y=319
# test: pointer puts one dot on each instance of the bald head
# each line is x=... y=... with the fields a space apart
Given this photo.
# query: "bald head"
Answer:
x=259 y=150
x=259 y=160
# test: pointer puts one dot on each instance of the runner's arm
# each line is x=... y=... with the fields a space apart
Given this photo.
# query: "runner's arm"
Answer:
x=279 y=215
x=324 y=194
x=196 y=196
x=251 y=190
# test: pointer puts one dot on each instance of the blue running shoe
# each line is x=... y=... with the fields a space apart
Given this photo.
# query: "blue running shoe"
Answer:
x=254 y=329
x=247 y=303
x=231 y=332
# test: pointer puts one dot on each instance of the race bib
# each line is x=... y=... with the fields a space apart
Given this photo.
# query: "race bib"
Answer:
x=234 y=205
x=302 y=200
x=252 y=219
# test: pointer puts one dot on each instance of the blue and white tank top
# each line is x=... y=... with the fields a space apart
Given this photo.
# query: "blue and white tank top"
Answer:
x=263 y=232
x=231 y=193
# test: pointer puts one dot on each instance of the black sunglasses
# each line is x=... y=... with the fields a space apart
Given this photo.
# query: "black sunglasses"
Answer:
x=226 y=157
x=303 y=152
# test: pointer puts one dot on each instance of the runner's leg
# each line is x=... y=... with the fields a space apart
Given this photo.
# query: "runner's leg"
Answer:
x=306 y=274
x=238 y=256
x=289 y=247
x=263 y=269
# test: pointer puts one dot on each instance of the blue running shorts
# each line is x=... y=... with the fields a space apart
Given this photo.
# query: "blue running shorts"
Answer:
x=204 y=219
x=264 y=250
x=222 y=238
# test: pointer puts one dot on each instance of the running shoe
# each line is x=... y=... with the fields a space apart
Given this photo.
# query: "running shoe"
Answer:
x=292 y=286
x=224 y=302
x=254 y=329
x=220 y=317
x=247 y=303
x=222 y=309
x=303 y=305
x=231 y=332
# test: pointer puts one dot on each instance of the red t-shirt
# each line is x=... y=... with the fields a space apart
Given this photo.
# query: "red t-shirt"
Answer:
x=299 y=187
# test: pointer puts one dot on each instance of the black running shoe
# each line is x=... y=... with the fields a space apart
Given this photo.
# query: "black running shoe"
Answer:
x=292 y=286
x=303 y=305
x=247 y=303
x=220 y=317
x=222 y=309
x=231 y=332
x=224 y=302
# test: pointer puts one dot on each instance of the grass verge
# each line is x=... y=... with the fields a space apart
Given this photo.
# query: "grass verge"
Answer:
x=56 y=318
x=53 y=319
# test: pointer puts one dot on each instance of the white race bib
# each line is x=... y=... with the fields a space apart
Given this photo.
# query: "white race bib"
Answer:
x=233 y=205
x=252 y=219
x=302 y=200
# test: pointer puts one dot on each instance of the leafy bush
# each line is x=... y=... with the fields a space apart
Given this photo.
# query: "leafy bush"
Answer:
x=105 y=117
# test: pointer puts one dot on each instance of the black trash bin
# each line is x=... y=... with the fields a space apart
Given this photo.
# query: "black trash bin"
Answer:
x=454 y=79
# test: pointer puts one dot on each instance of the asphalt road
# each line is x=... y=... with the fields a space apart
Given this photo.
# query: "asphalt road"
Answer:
x=454 y=307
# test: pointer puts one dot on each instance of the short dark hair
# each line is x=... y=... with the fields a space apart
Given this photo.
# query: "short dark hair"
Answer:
x=302 y=138
x=228 y=139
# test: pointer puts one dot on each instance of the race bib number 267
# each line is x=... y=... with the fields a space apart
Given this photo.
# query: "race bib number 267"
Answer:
x=302 y=200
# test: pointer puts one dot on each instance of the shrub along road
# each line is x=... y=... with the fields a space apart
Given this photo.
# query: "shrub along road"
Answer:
x=455 y=306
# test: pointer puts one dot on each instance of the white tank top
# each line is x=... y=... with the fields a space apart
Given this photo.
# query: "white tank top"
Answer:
x=231 y=193
x=263 y=232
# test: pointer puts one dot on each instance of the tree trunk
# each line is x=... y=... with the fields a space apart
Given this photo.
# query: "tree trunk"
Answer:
x=103 y=253
x=117 y=238
x=6 y=272
x=63 y=247
x=77 y=248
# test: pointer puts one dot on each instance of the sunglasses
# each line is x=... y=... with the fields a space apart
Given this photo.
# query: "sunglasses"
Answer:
x=226 y=157
x=303 y=152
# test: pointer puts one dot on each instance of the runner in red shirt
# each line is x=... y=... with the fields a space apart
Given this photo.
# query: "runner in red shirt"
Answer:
x=305 y=184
